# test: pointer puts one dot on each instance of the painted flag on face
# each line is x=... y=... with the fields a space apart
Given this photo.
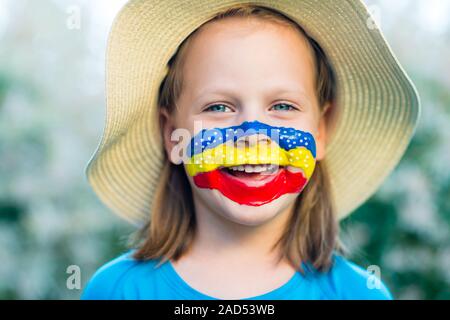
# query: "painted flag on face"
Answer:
x=282 y=159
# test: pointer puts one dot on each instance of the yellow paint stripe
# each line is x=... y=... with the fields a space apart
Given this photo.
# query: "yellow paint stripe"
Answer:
x=228 y=155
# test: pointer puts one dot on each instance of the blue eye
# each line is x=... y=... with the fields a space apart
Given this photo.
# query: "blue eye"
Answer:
x=218 y=108
x=283 y=107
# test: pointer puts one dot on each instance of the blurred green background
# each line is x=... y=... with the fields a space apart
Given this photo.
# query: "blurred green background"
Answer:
x=52 y=115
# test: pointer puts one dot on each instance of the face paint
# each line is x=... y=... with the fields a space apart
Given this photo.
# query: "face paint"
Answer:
x=217 y=155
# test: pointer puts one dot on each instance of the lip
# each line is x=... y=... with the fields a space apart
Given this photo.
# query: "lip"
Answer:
x=250 y=179
x=250 y=191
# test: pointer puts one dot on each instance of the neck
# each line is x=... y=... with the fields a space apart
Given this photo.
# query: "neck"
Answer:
x=218 y=237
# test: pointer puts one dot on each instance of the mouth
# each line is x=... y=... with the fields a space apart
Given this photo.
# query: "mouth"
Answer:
x=252 y=185
x=256 y=175
x=252 y=175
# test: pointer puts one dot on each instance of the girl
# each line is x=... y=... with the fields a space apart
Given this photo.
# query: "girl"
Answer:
x=250 y=81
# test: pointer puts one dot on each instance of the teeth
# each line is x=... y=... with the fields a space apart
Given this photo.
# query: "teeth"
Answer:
x=254 y=168
x=294 y=169
x=259 y=168
x=248 y=168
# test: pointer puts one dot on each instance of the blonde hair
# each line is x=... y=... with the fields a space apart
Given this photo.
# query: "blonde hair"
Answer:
x=312 y=232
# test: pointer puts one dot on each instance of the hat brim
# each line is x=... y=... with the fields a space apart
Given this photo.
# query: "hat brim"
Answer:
x=378 y=104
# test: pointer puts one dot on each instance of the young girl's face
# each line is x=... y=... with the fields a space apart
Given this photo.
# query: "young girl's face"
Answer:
x=238 y=70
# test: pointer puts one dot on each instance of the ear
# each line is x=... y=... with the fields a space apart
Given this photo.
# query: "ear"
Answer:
x=321 y=137
x=167 y=127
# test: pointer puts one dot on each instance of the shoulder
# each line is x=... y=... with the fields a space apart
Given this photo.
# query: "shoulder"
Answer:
x=113 y=279
x=346 y=280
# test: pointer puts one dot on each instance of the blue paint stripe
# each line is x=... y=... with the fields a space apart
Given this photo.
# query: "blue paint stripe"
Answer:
x=286 y=137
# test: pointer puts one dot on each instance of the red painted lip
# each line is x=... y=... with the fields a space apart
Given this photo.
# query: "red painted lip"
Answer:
x=242 y=191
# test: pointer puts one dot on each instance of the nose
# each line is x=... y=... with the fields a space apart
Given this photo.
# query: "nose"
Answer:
x=252 y=140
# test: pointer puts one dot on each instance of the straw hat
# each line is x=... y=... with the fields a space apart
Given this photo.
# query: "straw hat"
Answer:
x=379 y=106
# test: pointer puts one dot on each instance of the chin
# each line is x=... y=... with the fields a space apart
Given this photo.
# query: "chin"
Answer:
x=242 y=214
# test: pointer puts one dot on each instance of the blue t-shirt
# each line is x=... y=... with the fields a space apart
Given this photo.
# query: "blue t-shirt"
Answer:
x=126 y=278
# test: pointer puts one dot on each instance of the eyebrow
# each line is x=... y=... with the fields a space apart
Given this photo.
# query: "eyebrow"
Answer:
x=213 y=90
x=298 y=92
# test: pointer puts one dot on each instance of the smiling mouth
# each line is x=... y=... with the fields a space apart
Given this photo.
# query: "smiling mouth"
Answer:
x=255 y=175
x=253 y=188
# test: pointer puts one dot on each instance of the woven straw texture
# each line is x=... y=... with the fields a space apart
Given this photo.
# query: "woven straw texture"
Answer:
x=378 y=104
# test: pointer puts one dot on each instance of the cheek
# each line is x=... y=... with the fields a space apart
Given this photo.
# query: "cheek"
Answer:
x=312 y=124
x=303 y=120
x=184 y=115
x=321 y=147
x=321 y=136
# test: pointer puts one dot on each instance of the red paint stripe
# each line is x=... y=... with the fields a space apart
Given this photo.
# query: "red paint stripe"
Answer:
x=284 y=182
